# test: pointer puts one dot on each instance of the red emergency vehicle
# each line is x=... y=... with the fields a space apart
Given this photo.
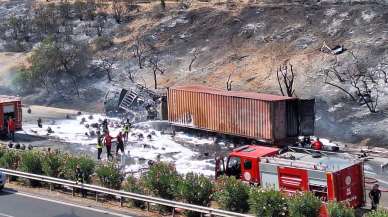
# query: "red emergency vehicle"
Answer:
x=330 y=176
x=10 y=106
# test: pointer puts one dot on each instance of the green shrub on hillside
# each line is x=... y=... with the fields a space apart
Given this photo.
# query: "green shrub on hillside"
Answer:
x=337 y=209
x=378 y=213
x=70 y=163
x=267 y=203
x=109 y=176
x=195 y=189
x=304 y=205
x=51 y=164
x=135 y=186
x=232 y=194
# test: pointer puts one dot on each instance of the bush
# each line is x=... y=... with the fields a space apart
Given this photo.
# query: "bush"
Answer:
x=195 y=189
x=267 y=203
x=337 y=209
x=232 y=194
x=51 y=164
x=304 y=205
x=161 y=180
x=109 y=176
x=70 y=163
x=102 y=43
x=10 y=160
x=378 y=213
x=135 y=186
x=31 y=162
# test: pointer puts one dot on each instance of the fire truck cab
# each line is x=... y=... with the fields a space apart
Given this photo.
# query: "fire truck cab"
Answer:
x=10 y=106
x=243 y=162
x=330 y=176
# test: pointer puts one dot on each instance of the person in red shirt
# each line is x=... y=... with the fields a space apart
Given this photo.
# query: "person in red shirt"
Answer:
x=108 y=144
x=11 y=128
x=317 y=145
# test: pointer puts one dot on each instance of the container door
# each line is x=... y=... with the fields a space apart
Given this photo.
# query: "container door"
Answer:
x=292 y=180
x=306 y=110
x=292 y=118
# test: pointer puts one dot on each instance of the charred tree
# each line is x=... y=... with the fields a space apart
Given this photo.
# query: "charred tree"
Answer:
x=156 y=67
x=229 y=83
x=285 y=76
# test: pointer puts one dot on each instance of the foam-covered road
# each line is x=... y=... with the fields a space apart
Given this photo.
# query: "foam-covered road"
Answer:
x=14 y=204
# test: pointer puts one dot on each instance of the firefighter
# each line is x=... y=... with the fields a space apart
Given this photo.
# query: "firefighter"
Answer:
x=105 y=128
x=317 y=145
x=108 y=144
x=40 y=122
x=99 y=145
x=120 y=143
x=126 y=128
x=80 y=177
x=375 y=195
x=11 y=128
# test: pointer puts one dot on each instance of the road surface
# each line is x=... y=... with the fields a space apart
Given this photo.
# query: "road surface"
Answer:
x=14 y=204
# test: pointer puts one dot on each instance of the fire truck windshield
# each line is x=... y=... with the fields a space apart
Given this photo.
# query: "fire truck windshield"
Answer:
x=234 y=167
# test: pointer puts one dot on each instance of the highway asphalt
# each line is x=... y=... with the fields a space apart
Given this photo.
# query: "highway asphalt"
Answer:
x=14 y=204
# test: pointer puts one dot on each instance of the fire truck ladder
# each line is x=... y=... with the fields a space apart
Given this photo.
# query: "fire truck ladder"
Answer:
x=128 y=99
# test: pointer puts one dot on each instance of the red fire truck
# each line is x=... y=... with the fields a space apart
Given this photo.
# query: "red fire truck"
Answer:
x=10 y=106
x=330 y=176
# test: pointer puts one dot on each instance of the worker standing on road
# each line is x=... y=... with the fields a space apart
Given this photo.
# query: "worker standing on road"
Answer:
x=99 y=145
x=105 y=128
x=127 y=126
x=80 y=177
x=375 y=195
x=11 y=128
x=317 y=145
x=40 y=122
x=120 y=144
x=108 y=144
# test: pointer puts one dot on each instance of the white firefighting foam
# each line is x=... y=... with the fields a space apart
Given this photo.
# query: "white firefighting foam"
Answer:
x=160 y=147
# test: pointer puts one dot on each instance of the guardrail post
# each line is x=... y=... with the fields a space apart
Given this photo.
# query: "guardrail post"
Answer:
x=51 y=187
x=121 y=201
x=72 y=192
x=173 y=212
x=148 y=206
x=96 y=196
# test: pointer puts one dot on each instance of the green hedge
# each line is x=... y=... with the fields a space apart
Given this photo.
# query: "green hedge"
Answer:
x=162 y=180
x=378 y=213
x=109 y=176
x=304 y=204
x=267 y=203
x=232 y=194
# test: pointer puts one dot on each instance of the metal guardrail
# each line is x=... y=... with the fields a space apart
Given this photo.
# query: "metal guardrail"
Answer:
x=124 y=194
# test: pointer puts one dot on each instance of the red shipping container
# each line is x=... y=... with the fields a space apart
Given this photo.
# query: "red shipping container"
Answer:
x=258 y=116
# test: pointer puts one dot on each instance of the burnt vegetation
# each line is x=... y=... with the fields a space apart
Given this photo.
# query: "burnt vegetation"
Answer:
x=54 y=33
x=362 y=83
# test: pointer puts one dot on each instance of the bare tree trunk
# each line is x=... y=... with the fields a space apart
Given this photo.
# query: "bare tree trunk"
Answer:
x=155 y=80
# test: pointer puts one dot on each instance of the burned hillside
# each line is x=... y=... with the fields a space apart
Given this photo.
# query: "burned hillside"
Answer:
x=208 y=42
